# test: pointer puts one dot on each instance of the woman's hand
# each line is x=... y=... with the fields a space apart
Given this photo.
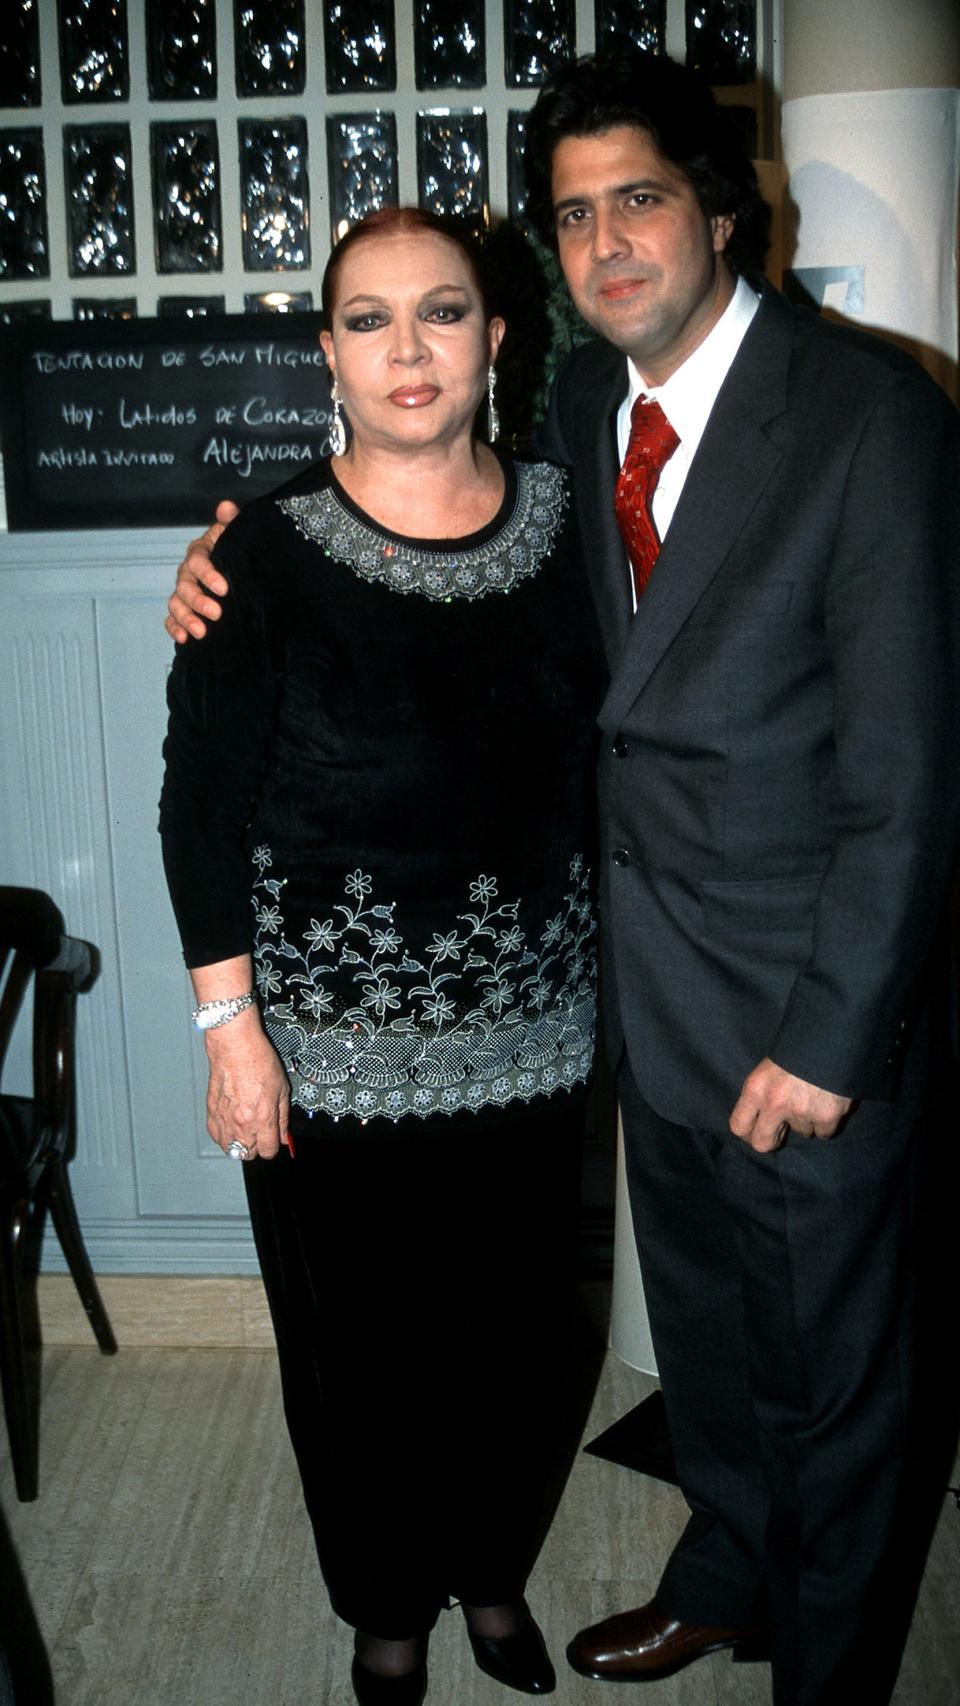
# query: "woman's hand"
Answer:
x=189 y=602
x=248 y=1097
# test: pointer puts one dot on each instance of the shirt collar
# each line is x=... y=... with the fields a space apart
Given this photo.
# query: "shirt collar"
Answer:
x=689 y=394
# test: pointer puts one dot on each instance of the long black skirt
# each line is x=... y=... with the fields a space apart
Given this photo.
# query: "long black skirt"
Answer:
x=420 y=1279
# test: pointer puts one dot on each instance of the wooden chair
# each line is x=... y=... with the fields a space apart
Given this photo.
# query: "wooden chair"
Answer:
x=36 y=1141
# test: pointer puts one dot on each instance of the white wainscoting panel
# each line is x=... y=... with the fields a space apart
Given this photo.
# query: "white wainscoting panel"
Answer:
x=83 y=665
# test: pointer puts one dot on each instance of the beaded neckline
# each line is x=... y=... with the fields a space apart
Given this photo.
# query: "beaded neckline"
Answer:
x=513 y=553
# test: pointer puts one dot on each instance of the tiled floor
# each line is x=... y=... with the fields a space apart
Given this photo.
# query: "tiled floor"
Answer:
x=169 y=1561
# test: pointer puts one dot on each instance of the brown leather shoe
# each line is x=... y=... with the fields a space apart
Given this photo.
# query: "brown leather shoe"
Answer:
x=638 y=1646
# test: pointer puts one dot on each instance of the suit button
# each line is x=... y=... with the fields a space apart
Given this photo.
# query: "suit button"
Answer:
x=621 y=856
x=619 y=748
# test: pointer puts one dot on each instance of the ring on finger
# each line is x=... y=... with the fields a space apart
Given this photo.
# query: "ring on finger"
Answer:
x=238 y=1151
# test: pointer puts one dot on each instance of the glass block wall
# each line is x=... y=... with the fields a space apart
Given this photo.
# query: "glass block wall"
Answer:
x=189 y=156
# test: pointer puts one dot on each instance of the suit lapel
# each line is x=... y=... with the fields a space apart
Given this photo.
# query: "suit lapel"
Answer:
x=606 y=557
x=597 y=465
x=734 y=462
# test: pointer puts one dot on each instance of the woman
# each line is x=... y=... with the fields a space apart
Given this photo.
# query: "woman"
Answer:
x=386 y=743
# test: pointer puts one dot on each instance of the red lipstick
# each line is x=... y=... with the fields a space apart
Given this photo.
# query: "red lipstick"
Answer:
x=413 y=396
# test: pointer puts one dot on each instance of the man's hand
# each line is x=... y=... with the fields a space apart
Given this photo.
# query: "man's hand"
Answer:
x=773 y=1102
x=189 y=603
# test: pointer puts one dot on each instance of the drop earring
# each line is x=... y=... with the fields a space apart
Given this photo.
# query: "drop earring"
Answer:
x=493 y=419
x=338 y=436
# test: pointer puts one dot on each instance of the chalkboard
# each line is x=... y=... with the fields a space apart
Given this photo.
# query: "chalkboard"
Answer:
x=114 y=423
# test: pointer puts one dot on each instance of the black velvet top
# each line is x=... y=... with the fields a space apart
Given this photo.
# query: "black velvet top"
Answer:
x=380 y=782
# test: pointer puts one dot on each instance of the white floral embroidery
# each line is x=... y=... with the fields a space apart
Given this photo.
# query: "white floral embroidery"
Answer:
x=516 y=551
x=322 y=935
x=483 y=888
x=483 y=1016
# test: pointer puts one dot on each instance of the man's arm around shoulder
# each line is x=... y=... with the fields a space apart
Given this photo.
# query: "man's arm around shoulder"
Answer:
x=191 y=606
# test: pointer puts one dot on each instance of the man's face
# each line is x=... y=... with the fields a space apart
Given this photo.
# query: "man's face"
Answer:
x=642 y=262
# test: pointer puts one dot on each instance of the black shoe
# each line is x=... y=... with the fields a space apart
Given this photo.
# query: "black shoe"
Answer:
x=520 y=1661
x=407 y=1689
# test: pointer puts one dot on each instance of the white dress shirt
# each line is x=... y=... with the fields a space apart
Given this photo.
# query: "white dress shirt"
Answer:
x=688 y=396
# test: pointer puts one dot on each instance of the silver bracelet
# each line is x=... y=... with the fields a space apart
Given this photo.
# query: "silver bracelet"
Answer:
x=210 y=1014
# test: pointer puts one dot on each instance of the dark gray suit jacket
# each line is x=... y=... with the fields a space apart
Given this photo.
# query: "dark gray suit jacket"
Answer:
x=781 y=737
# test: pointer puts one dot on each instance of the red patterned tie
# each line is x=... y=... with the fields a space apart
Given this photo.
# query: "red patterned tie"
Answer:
x=652 y=443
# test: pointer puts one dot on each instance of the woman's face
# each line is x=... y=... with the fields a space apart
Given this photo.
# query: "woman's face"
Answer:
x=410 y=345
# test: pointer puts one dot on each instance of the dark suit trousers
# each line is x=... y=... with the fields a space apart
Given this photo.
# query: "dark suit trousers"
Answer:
x=778 y=1299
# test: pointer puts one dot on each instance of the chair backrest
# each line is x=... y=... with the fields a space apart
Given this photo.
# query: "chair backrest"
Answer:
x=31 y=930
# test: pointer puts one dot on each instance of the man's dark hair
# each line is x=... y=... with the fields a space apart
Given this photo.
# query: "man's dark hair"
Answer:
x=683 y=119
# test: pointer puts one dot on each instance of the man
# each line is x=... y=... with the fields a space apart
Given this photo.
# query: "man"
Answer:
x=779 y=811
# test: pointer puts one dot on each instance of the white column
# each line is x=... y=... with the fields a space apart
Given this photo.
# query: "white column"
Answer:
x=629 y=1325
x=871 y=142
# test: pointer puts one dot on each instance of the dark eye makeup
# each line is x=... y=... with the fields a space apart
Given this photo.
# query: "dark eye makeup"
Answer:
x=437 y=313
